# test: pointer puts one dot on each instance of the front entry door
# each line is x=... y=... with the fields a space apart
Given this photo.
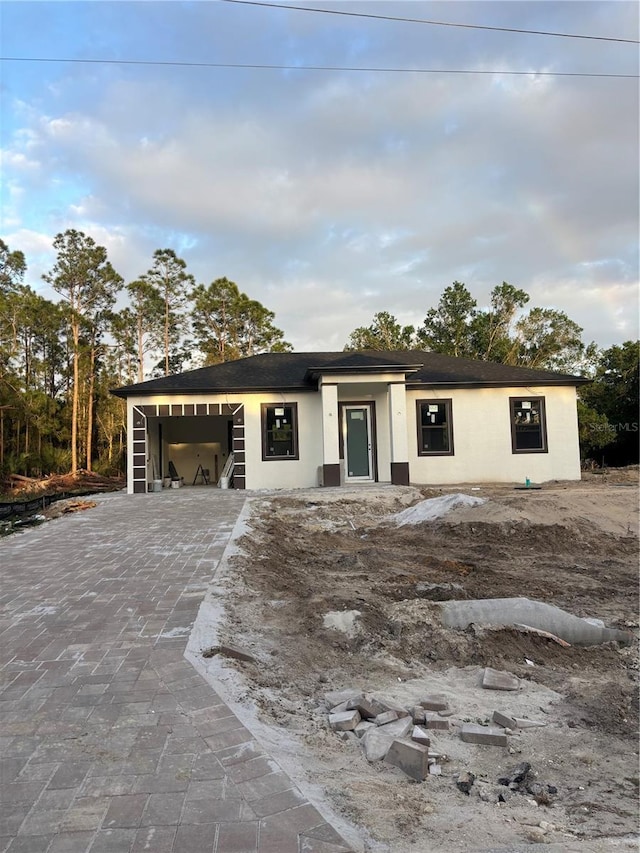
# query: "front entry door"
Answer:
x=358 y=455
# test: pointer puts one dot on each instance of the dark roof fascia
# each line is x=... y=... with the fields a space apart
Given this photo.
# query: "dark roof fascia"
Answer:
x=195 y=392
x=488 y=383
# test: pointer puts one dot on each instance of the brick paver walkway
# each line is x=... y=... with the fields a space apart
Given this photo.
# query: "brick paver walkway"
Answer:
x=110 y=741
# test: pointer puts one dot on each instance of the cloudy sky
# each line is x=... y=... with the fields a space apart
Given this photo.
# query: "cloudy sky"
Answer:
x=331 y=195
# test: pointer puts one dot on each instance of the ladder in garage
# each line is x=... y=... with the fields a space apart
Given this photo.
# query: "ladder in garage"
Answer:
x=227 y=471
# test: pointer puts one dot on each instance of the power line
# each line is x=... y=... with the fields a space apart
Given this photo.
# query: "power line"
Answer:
x=431 y=23
x=268 y=67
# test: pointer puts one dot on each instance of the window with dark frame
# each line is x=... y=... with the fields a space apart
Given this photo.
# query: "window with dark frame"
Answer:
x=435 y=428
x=279 y=431
x=528 y=425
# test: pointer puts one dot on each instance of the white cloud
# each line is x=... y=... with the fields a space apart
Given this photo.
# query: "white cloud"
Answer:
x=330 y=197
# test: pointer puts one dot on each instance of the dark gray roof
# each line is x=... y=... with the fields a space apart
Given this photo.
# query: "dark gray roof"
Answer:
x=298 y=371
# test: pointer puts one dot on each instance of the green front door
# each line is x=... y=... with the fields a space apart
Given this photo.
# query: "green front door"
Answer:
x=358 y=458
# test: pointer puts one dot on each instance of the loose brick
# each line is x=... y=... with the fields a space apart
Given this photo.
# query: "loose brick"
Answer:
x=412 y=758
x=385 y=717
x=229 y=652
x=377 y=740
x=434 y=721
x=367 y=706
x=493 y=679
x=420 y=736
x=346 y=721
x=470 y=733
x=363 y=727
x=503 y=720
x=387 y=705
x=418 y=712
x=435 y=702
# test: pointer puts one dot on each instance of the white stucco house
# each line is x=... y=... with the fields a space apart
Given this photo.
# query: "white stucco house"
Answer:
x=332 y=418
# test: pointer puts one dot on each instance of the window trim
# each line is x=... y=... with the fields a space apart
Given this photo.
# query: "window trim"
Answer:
x=543 y=424
x=263 y=430
x=448 y=403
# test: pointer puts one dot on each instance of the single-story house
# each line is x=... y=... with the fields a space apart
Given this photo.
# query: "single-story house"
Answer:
x=330 y=418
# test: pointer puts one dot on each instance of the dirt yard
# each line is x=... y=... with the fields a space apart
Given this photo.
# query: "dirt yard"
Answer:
x=575 y=545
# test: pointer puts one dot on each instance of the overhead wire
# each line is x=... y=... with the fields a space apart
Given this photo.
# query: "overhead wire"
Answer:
x=429 y=22
x=278 y=67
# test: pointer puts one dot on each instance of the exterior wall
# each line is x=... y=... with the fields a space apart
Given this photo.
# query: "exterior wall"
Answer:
x=289 y=473
x=481 y=434
x=482 y=438
x=284 y=473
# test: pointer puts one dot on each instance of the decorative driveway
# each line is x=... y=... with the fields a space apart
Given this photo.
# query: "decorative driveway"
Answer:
x=110 y=741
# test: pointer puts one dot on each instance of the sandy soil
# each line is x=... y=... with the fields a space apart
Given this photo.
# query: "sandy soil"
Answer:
x=575 y=545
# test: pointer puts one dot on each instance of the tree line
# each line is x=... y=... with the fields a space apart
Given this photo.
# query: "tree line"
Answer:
x=542 y=338
x=59 y=359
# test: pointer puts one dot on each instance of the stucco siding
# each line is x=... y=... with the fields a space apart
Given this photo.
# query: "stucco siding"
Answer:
x=284 y=473
x=482 y=438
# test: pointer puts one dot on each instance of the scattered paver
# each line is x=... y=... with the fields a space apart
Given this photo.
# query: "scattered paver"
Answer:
x=435 y=721
x=435 y=702
x=503 y=720
x=465 y=782
x=494 y=679
x=385 y=717
x=487 y=735
x=376 y=741
x=420 y=736
x=345 y=721
x=412 y=758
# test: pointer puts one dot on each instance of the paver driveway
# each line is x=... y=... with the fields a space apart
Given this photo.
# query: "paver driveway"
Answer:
x=110 y=741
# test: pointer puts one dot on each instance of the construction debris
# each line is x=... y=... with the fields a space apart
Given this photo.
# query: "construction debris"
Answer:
x=493 y=679
x=229 y=652
x=503 y=720
x=412 y=758
x=486 y=735
x=344 y=721
x=465 y=782
x=388 y=731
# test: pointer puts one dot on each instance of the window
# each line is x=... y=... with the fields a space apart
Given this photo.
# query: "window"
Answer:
x=528 y=425
x=435 y=428
x=279 y=431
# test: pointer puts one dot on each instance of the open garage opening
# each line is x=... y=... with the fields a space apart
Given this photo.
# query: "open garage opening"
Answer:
x=197 y=448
